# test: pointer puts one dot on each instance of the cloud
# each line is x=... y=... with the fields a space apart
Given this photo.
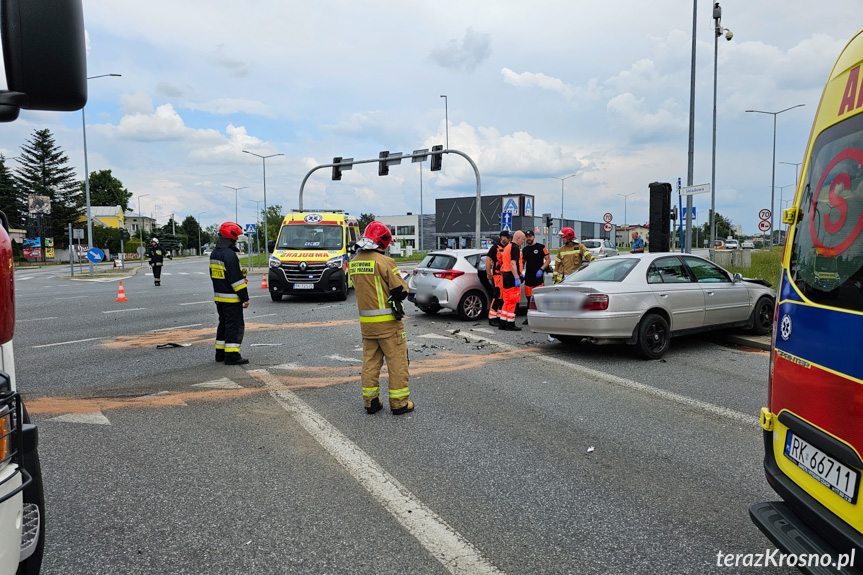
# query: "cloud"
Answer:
x=538 y=80
x=632 y=116
x=138 y=103
x=225 y=151
x=164 y=124
x=172 y=90
x=466 y=55
x=237 y=68
x=228 y=106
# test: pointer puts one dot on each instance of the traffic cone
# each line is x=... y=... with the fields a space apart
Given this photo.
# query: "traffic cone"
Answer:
x=121 y=295
x=264 y=282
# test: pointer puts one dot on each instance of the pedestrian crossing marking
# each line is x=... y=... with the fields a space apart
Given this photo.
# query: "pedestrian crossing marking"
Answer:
x=93 y=418
x=222 y=383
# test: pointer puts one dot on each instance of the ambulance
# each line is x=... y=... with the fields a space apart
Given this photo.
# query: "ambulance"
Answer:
x=813 y=422
x=311 y=254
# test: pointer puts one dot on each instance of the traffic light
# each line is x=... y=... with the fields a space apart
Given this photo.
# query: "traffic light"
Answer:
x=337 y=171
x=549 y=222
x=674 y=213
x=383 y=168
x=436 y=159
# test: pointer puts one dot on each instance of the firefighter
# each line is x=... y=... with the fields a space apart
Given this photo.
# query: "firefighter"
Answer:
x=536 y=261
x=380 y=293
x=492 y=270
x=230 y=293
x=511 y=266
x=570 y=255
x=157 y=256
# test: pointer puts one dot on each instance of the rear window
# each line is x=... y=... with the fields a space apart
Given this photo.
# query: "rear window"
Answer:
x=438 y=262
x=590 y=244
x=605 y=270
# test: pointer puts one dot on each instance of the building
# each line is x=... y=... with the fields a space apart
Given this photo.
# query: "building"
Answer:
x=105 y=216
x=623 y=236
x=406 y=230
x=135 y=222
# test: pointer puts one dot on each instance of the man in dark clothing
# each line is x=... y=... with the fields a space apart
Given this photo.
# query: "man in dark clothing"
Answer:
x=230 y=293
x=536 y=261
x=492 y=270
x=157 y=257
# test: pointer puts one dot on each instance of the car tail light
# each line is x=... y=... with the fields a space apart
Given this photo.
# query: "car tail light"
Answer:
x=415 y=271
x=448 y=275
x=531 y=304
x=600 y=250
x=596 y=301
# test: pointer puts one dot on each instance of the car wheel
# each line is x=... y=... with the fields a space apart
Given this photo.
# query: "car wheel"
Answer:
x=430 y=310
x=653 y=336
x=34 y=495
x=472 y=306
x=342 y=294
x=762 y=317
x=275 y=296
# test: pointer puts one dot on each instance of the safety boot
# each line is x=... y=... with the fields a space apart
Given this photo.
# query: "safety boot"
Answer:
x=494 y=322
x=220 y=355
x=375 y=407
x=234 y=358
x=406 y=409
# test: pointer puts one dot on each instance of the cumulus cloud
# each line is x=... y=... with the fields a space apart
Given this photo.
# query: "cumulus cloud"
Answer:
x=464 y=55
x=138 y=103
x=171 y=90
x=535 y=80
x=223 y=150
x=227 y=106
x=164 y=124
x=632 y=116
x=237 y=68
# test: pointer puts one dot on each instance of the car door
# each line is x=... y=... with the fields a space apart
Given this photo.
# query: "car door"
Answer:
x=610 y=249
x=724 y=300
x=676 y=290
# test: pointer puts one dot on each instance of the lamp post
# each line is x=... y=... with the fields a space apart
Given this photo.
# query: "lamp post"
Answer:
x=796 y=170
x=625 y=224
x=199 y=231
x=236 y=196
x=257 y=230
x=773 y=166
x=87 y=176
x=717 y=32
x=141 y=214
x=264 y=161
x=781 y=190
x=691 y=155
x=561 y=194
x=446 y=117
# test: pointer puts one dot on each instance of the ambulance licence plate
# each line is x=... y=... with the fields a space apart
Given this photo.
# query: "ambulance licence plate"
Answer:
x=840 y=479
x=304 y=286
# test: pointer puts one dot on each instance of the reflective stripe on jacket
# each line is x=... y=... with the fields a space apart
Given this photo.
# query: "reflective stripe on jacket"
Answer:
x=375 y=275
x=229 y=285
x=569 y=258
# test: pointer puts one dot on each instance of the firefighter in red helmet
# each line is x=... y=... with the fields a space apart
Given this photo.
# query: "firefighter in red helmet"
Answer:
x=230 y=293
x=570 y=256
x=380 y=292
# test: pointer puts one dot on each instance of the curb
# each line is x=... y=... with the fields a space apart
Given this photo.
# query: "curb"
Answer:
x=758 y=342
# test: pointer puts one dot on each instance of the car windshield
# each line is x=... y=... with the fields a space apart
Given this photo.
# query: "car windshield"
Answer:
x=589 y=244
x=310 y=237
x=604 y=270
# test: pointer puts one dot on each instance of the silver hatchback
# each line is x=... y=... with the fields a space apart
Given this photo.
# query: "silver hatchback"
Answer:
x=600 y=248
x=451 y=279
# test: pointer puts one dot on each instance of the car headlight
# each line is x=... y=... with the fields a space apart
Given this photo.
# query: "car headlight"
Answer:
x=275 y=262
x=335 y=262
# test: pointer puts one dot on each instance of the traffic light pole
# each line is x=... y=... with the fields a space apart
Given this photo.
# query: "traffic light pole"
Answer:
x=395 y=159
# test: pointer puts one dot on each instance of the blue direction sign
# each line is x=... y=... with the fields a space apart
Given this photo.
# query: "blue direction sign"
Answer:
x=95 y=255
x=506 y=221
x=694 y=213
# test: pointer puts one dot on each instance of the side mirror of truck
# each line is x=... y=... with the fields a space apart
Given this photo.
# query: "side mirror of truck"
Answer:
x=271 y=246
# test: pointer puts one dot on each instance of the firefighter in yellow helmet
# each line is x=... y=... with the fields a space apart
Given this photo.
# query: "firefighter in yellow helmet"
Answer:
x=570 y=256
x=380 y=293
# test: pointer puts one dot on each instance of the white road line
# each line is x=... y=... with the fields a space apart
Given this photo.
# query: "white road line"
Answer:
x=265 y=315
x=183 y=273
x=628 y=383
x=177 y=327
x=256 y=296
x=342 y=358
x=94 y=418
x=68 y=342
x=72 y=297
x=36 y=319
x=457 y=554
x=195 y=302
x=122 y=310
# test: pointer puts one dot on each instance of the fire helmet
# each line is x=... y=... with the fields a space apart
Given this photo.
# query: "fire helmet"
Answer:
x=155 y=240
x=567 y=234
x=230 y=230
x=380 y=233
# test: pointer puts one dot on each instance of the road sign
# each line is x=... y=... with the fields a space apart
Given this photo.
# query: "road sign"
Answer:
x=506 y=221
x=607 y=226
x=694 y=213
x=250 y=228
x=765 y=214
x=141 y=250
x=764 y=225
x=607 y=217
x=77 y=234
x=692 y=190
x=95 y=255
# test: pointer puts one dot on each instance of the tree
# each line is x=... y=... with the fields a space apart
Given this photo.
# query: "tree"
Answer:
x=171 y=239
x=11 y=201
x=44 y=171
x=274 y=218
x=106 y=190
x=192 y=228
x=365 y=219
x=723 y=228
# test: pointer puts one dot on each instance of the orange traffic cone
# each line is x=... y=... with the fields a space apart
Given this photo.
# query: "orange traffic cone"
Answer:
x=264 y=282
x=121 y=295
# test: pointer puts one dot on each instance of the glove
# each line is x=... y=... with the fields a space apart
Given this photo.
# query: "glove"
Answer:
x=398 y=307
x=539 y=273
x=517 y=282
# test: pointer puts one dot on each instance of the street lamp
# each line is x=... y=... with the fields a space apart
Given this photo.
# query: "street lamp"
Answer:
x=236 y=195
x=717 y=29
x=257 y=230
x=625 y=224
x=141 y=214
x=773 y=166
x=446 y=117
x=199 y=231
x=796 y=171
x=781 y=190
x=264 y=160
x=87 y=176
x=561 y=193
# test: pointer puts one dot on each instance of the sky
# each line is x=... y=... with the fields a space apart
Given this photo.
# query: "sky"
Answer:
x=535 y=91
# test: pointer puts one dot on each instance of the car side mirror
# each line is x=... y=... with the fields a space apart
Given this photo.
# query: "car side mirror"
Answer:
x=737 y=278
x=271 y=245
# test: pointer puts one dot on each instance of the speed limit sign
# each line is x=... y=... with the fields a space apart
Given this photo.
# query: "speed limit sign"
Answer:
x=607 y=217
x=764 y=225
x=765 y=214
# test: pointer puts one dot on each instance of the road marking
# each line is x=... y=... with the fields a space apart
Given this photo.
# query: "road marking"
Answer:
x=484 y=330
x=257 y=296
x=36 y=319
x=265 y=315
x=628 y=383
x=177 y=327
x=434 y=336
x=72 y=297
x=122 y=310
x=195 y=302
x=68 y=342
x=457 y=554
x=183 y=273
x=223 y=383
x=94 y=418
x=340 y=358
x=25 y=278
x=286 y=366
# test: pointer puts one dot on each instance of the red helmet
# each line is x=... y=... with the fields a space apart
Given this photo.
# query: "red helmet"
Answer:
x=567 y=234
x=380 y=233
x=230 y=230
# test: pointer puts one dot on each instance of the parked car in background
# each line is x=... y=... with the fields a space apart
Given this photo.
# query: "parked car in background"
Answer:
x=600 y=248
x=645 y=300
x=718 y=245
x=732 y=245
x=748 y=245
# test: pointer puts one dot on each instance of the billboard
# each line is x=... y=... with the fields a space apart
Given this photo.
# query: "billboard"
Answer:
x=39 y=204
x=32 y=247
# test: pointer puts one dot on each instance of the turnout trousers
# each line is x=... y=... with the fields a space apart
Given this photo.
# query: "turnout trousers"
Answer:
x=157 y=273
x=496 y=298
x=229 y=334
x=394 y=349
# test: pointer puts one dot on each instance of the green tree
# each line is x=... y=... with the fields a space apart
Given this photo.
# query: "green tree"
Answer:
x=365 y=219
x=106 y=190
x=212 y=232
x=274 y=217
x=11 y=201
x=172 y=237
x=191 y=228
x=723 y=228
x=44 y=171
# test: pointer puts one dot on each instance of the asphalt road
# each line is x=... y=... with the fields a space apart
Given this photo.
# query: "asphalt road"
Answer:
x=523 y=456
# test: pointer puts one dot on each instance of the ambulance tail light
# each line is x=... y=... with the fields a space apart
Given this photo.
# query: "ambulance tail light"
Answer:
x=448 y=275
x=596 y=301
